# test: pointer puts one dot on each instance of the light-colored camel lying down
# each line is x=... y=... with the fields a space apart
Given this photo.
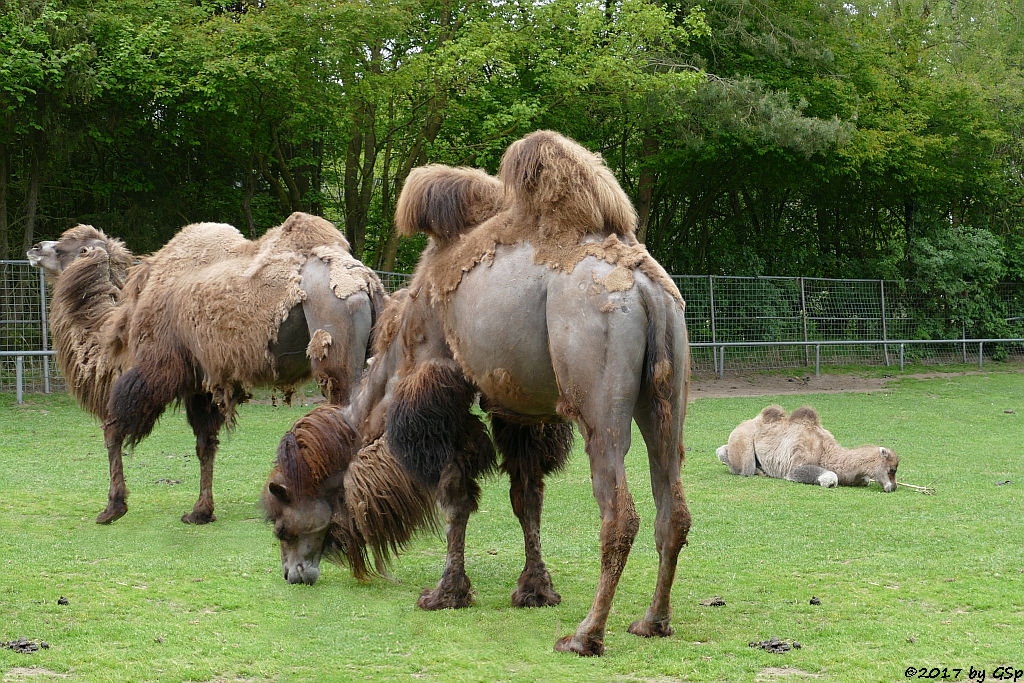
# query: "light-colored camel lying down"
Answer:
x=798 y=448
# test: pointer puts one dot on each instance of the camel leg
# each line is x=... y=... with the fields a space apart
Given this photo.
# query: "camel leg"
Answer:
x=457 y=496
x=136 y=403
x=619 y=524
x=672 y=523
x=531 y=452
x=206 y=420
x=117 y=495
x=813 y=474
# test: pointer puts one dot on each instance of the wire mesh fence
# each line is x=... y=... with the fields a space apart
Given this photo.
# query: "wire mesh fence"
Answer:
x=739 y=323
x=23 y=327
x=753 y=322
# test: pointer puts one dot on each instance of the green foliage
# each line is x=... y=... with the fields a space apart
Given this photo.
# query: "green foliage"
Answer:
x=958 y=268
x=150 y=598
x=756 y=138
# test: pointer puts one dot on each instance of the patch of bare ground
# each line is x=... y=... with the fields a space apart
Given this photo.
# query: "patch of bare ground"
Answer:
x=775 y=673
x=737 y=385
x=30 y=673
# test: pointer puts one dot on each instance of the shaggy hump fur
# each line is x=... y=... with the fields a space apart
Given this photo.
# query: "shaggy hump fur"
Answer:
x=547 y=173
x=798 y=448
x=443 y=202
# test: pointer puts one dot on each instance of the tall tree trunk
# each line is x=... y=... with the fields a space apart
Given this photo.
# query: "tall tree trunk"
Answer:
x=250 y=192
x=387 y=252
x=5 y=242
x=645 y=186
x=32 y=199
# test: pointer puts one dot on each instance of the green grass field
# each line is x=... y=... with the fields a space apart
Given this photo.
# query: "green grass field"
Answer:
x=904 y=580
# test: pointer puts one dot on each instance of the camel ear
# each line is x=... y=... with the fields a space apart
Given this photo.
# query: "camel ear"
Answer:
x=280 y=492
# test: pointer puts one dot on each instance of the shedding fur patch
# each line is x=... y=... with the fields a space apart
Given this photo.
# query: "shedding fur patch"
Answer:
x=224 y=297
x=319 y=345
x=348 y=274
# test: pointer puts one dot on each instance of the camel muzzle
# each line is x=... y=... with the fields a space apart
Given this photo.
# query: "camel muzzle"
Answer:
x=301 y=573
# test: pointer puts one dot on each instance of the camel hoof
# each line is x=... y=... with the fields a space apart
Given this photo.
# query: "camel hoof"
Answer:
x=194 y=517
x=441 y=599
x=114 y=512
x=535 y=598
x=584 y=647
x=650 y=629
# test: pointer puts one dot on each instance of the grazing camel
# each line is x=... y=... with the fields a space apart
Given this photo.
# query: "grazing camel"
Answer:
x=796 y=447
x=534 y=294
x=200 y=321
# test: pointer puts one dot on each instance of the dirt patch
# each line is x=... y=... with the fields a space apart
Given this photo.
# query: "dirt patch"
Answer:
x=774 y=673
x=27 y=673
x=757 y=384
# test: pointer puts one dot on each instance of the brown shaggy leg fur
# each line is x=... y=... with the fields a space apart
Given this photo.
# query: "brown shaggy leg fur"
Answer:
x=459 y=495
x=136 y=402
x=530 y=452
x=206 y=420
x=425 y=418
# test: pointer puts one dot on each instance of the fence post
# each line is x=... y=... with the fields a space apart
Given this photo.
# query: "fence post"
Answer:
x=817 y=360
x=963 y=335
x=885 y=325
x=981 y=355
x=44 y=321
x=803 y=315
x=901 y=356
x=711 y=316
x=19 y=378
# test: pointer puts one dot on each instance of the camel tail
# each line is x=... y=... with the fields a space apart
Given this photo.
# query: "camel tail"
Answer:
x=444 y=202
x=666 y=362
x=548 y=175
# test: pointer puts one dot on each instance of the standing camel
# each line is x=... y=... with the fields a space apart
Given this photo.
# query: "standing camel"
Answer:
x=199 y=322
x=533 y=293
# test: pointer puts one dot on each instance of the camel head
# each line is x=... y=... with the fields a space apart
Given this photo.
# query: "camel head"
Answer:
x=324 y=499
x=888 y=462
x=877 y=464
x=53 y=257
x=305 y=489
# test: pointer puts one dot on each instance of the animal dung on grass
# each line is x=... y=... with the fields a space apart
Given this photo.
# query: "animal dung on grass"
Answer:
x=25 y=646
x=796 y=447
x=776 y=645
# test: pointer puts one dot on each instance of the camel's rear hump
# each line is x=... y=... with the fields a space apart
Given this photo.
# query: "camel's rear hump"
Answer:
x=568 y=188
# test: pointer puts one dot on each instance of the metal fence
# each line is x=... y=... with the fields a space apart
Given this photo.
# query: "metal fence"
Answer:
x=735 y=324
